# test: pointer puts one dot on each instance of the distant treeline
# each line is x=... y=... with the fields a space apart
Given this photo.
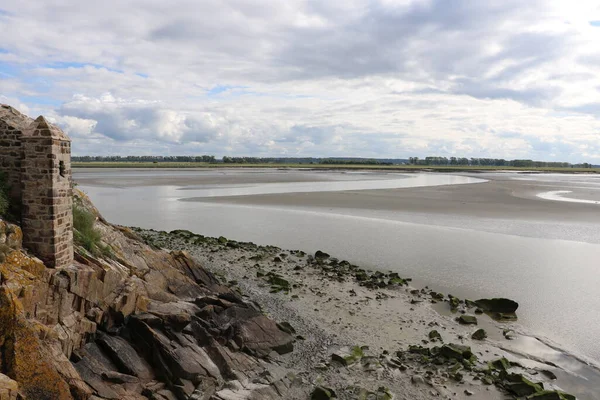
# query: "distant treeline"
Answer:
x=434 y=161
x=206 y=159
x=240 y=160
x=495 y=162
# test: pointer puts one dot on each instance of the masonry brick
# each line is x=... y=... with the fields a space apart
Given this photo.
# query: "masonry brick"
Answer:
x=36 y=158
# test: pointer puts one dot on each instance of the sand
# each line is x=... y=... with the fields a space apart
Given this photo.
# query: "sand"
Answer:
x=500 y=197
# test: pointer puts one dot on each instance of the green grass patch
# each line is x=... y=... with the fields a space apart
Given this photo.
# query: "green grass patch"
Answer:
x=85 y=234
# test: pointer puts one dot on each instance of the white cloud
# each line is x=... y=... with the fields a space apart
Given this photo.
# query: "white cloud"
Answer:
x=389 y=78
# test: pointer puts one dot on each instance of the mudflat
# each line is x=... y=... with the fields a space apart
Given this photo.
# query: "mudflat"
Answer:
x=502 y=196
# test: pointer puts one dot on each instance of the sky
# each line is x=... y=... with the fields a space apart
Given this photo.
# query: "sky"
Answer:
x=361 y=78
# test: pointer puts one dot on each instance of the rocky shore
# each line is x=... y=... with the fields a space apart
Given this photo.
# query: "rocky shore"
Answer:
x=362 y=334
x=133 y=323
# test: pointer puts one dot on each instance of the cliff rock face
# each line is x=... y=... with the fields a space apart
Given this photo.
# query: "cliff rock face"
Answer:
x=141 y=323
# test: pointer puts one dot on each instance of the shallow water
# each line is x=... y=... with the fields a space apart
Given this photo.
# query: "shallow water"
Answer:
x=555 y=281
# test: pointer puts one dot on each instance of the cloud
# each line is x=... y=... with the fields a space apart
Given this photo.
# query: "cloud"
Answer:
x=389 y=78
x=124 y=120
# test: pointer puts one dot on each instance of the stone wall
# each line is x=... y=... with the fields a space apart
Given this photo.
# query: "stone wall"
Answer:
x=36 y=158
x=12 y=124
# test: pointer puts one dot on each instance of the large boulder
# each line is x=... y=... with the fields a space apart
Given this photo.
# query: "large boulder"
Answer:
x=498 y=305
x=260 y=335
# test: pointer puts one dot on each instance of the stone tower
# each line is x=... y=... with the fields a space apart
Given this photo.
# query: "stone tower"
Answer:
x=46 y=193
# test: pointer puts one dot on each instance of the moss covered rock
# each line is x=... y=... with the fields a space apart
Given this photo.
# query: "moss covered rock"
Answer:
x=479 y=334
x=348 y=356
x=467 y=320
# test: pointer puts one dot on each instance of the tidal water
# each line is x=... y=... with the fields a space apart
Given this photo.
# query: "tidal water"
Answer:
x=547 y=267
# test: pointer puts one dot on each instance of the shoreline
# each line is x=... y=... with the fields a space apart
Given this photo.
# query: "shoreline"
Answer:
x=332 y=311
x=329 y=167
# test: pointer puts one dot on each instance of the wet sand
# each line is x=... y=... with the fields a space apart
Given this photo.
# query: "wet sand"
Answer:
x=506 y=196
x=500 y=197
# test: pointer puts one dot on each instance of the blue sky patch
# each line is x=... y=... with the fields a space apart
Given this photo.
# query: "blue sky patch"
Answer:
x=40 y=100
x=595 y=23
x=8 y=70
x=218 y=89
x=65 y=65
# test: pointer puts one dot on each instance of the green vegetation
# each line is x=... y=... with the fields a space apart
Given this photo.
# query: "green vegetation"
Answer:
x=84 y=232
x=492 y=162
x=151 y=159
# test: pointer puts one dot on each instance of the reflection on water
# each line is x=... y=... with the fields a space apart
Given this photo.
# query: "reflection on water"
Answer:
x=557 y=195
x=400 y=181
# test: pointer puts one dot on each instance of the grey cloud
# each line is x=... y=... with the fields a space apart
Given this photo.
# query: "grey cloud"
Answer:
x=125 y=122
x=428 y=40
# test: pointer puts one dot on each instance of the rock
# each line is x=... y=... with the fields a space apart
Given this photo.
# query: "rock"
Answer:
x=348 y=356
x=454 y=302
x=417 y=380
x=90 y=372
x=286 y=327
x=498 y=305
x=456 y=351
x=322 y=393
x=435 y=335
x=521 y=386
x=9 y=389
x=503 y=317
x=501 y=364
x=360 y=393
x=319 y=255
x=124 y=356
x=117 y=377
x=468 y=392
x=551 y=395
x=549 y=374
x=508 y=334
x=24 y=356
x=260 y=335
x=467 y=320
x=479 y=334
x=278 y=281
x=415 y=349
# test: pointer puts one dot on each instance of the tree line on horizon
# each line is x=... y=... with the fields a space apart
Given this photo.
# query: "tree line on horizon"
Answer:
x=493 y=162
x=427 y=161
